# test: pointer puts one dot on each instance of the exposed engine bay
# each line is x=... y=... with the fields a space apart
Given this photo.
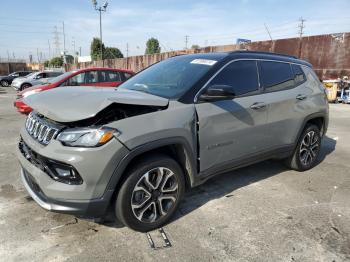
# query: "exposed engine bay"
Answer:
x=115 y=112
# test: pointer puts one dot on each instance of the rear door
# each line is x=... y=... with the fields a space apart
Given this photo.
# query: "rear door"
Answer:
x=235 y=129
x=284 y=87
x=109 y=78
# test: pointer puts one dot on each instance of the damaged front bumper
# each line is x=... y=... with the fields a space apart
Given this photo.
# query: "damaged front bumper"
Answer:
x=91 y=209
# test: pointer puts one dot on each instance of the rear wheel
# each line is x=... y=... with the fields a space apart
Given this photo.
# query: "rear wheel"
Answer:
x=4 y=83
x=150 y=194
x=307 y=151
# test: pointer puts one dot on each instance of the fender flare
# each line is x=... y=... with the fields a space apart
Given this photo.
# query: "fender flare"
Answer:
x=121 y=167
x=324 y=115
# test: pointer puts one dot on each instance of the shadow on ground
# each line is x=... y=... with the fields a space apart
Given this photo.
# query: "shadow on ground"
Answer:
x=225 y=184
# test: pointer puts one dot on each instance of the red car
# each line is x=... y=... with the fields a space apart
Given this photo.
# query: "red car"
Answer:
x=102 y=77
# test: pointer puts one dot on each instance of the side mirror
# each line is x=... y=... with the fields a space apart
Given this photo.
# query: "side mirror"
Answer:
x=218 y=92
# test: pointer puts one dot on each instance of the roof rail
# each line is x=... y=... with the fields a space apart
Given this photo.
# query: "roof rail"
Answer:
x=261 y=52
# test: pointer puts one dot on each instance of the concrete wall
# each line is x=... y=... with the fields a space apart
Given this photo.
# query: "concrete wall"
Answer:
x=329 y=54
x=7 y=68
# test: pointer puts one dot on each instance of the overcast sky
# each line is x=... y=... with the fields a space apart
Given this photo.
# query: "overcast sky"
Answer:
x=28 y=25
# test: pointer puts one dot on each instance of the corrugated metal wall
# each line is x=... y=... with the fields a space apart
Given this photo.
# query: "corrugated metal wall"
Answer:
x=329 y=54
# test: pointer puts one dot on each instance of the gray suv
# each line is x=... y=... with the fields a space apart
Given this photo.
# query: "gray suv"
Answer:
x=171 y=127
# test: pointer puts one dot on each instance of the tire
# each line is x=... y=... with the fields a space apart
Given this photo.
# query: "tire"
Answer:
x=24 y=86
x=306 y=153
x=4 y=83
x=143 y=208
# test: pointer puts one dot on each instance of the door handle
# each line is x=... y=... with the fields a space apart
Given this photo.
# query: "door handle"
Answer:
x=301 y=97
x=258 y=105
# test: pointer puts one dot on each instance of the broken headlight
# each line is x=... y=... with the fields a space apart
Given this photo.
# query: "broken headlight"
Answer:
x=86 y=137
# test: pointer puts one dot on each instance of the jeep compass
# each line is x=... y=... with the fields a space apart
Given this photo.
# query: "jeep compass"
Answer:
x=136 y=149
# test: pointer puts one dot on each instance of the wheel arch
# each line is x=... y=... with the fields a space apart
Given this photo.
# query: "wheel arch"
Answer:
x=25 y=83
x=318 y=119
x=177 y=148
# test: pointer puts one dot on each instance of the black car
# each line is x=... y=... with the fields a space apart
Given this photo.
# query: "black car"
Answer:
x=7 y=80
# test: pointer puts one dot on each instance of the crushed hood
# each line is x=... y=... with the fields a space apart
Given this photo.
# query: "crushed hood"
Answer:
x=70 y=104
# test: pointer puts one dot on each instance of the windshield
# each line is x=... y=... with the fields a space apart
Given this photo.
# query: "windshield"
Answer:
x=170 y=78
x=60 y=77
x=31 y=74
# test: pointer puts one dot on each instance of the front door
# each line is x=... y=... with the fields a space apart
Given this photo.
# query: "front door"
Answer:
x=235 y=129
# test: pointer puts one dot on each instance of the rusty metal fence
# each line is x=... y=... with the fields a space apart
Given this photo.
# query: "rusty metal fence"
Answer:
x=329 y=54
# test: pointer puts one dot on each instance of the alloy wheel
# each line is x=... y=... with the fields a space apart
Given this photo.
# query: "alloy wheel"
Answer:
x=309 y=148
x=154 y=194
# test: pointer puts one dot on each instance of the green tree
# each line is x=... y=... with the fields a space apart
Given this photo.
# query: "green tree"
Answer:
x=56 y=61
x=152 y=46
x=69 y=59
x=112 y=52
x=195 y=47
x=95 y=49
x=47 y=63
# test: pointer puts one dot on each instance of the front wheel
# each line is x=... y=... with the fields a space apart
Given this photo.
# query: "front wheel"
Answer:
x=25 y=86
x=150 y=194
x=4 y=83
x=307 y=150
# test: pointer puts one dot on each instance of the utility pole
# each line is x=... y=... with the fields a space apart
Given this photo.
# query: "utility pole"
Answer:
x=79 y=50
x=48 y=41
x=56 y=41
x=268 y=31
x=127 y=49
x=186 y=41
x=37 y=54
x=73 y=44
x=301 y=27
x=100 y=9
x=8 y=62
x=64 y=44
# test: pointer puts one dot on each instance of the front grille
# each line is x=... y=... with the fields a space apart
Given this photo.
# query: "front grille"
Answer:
x=34 y=158
x=40 y=129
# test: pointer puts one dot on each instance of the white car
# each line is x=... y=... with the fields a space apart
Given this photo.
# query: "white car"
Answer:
x=33 y=79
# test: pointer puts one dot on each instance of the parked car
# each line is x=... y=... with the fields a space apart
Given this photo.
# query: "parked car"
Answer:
x=101 y=77
x=169 y=128
x=33 y=79
x=7 y=80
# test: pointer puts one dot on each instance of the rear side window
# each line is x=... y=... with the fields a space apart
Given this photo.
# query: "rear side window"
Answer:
x=241 y=75
x=299 y=76
x=109 y=76
x=91 y=77
x=276 y=76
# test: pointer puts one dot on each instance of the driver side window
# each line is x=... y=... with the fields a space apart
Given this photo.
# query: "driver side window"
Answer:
x=39 y=76
x=241 y=75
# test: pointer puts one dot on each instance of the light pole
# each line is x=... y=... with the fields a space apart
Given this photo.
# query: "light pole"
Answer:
x=100 y=9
